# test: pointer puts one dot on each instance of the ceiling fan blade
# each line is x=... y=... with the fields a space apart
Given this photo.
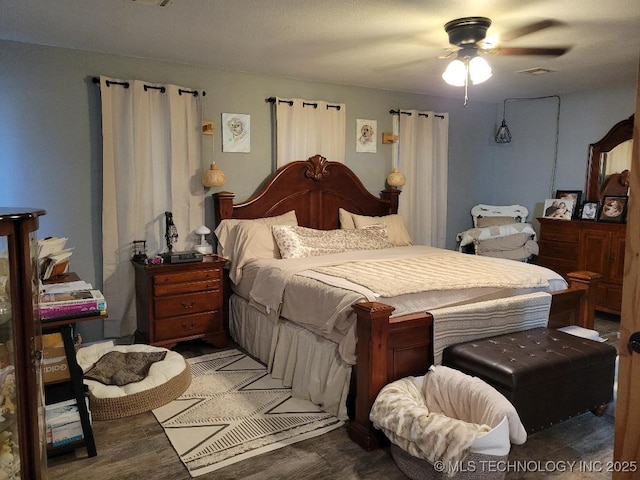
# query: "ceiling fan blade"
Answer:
x=546 y=51
x=528 y=29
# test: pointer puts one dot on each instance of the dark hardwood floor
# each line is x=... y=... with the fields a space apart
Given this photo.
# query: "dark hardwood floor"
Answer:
x=137 y=448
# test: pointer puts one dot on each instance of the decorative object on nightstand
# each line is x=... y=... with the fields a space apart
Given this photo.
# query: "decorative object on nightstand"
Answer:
x=203 y=247
x=139 y=251
x=181 y=301
x=171 y=232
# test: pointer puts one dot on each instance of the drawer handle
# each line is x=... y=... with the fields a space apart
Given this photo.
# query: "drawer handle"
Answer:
x=187 y=305
x=189 y=327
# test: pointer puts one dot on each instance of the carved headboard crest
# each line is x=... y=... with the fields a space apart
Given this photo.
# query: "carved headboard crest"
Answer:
x=316 y=168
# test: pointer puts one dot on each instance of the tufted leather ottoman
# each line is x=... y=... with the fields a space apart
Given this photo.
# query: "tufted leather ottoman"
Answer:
x=549 y=376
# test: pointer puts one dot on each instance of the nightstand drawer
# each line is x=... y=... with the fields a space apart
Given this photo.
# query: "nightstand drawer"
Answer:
x=187 y=277
x=161 y=290
x=187 y=325
x=187 y=304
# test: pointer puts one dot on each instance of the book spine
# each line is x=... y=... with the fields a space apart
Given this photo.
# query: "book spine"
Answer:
x=89 y=307
x=49 y=300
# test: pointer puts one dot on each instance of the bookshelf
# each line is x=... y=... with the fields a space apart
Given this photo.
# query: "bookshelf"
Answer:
x=73 y=387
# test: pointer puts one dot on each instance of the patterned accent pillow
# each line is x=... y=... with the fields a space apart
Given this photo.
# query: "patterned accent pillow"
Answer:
x=298 y=242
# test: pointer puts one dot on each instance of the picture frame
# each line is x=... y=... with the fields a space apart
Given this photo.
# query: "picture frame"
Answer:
x=366 y=133
x=236 y=132
x=590 y=211
x=575 y=195
x=613 y=209
x=558 y=209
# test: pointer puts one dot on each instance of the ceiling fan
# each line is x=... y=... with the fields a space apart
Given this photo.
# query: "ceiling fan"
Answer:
x=467 y=37
x=469 y=33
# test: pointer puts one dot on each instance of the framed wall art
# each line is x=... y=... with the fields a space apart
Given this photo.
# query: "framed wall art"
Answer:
x=236 y=132
x=366 y=132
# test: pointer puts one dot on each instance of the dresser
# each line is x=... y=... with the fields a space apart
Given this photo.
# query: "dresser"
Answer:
x=179 y=302
x=573 y=245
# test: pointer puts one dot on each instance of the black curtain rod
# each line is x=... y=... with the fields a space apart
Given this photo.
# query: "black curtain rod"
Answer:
x=426 y=115
x=146 y=87
x=304 y=104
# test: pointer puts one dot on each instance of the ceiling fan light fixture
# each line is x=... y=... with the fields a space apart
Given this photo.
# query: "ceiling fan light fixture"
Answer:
x=456 y=73
x=479 y=70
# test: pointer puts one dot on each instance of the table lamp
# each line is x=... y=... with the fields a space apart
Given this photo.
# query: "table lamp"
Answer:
x=203 y=247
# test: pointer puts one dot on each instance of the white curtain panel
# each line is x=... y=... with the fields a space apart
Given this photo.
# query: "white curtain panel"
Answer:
x=305 y=128
x=151 y=164
x=422 y=155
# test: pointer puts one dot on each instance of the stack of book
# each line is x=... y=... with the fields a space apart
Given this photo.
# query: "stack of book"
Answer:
x=53 y=257
x=70 y=300
x=63 y=423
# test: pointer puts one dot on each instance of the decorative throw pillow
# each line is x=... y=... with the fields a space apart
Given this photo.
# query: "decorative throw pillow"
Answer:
x=122 y=368
x=396 y=228
x=298 y=242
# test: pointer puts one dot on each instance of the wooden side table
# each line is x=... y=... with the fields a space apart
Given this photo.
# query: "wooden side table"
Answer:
x=179 y=302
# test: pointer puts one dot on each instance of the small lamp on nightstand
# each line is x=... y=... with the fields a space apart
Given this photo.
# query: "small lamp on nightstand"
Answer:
x=203 y=247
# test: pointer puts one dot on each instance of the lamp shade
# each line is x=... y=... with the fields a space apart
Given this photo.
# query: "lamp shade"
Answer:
x=396 y=178
x=476 y=68
x=479 y=70
x=456 y=73
x=213 y=177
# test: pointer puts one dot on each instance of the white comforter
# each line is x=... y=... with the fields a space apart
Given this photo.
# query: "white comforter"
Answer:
x=321 y=302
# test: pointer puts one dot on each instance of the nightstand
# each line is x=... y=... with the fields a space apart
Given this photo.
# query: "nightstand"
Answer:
x=179 y=302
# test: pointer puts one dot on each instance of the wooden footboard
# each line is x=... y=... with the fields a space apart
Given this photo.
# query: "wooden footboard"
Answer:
x=389 y=349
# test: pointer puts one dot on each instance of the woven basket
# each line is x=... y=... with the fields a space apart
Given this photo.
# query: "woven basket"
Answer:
x=140 y=402
x=474 y=467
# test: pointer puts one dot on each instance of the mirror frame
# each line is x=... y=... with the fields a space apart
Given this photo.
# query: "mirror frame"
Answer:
x=619 y=133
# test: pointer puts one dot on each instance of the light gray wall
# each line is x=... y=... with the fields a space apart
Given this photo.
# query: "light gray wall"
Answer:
x=524 y=169
x=50 y=139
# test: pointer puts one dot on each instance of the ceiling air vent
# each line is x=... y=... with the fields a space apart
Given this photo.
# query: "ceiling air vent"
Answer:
x=153 y=3
x=537 y=71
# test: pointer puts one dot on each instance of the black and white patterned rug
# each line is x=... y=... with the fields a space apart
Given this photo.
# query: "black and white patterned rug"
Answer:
x=234 y=410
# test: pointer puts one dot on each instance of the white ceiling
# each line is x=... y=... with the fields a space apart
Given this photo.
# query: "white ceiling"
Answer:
x=385 y=44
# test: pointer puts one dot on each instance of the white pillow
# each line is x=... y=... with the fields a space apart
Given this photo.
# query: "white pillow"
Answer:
x=396 y=227
x=346 y=219
x=226 y=236
x=298 y=242
x=252 y=240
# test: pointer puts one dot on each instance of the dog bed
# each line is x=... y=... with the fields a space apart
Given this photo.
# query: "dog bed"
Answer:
x=165 y=380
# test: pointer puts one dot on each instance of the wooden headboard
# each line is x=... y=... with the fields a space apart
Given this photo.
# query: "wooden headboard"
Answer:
x=315 y=189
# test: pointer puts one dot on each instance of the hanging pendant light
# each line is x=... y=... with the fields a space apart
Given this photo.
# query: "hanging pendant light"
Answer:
x=503 y=135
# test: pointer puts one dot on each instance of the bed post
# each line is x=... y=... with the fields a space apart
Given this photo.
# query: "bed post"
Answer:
x=222 y=205
x=587 y=282
x=371 y=369
x=391 y=194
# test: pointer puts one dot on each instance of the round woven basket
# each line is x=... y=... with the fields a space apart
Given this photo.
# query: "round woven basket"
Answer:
x=474 y=467
x=140 y=402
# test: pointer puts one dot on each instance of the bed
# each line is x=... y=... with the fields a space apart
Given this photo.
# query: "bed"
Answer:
x=316 y=361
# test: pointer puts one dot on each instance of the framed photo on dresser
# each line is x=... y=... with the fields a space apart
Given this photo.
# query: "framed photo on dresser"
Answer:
x=589 y=211
x=556 y=208
x=574 y=195
x=613 y=209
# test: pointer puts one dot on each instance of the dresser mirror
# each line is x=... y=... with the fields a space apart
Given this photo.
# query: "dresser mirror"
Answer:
x=609 y=162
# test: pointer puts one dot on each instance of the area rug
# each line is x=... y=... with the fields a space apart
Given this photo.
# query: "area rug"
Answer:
x=234 y=410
